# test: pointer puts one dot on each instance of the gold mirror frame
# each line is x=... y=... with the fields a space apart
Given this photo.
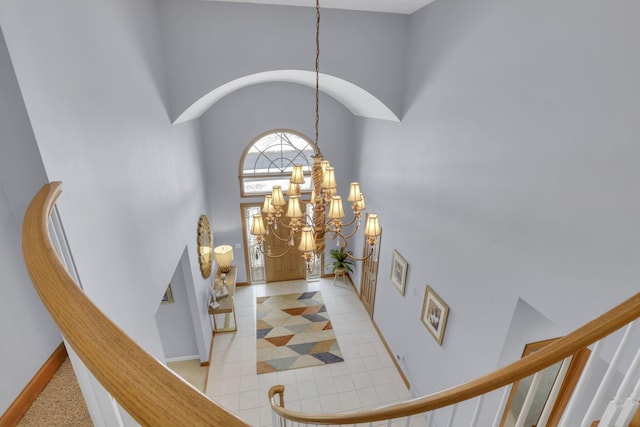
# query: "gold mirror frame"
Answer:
x=205 y=246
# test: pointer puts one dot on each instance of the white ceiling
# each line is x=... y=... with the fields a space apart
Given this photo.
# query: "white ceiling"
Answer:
x=390 y=6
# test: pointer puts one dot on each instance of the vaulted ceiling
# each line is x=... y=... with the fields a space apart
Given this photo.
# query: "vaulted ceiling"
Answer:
x=389 y=6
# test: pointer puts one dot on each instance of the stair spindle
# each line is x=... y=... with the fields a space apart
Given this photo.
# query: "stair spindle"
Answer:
x=600 y=396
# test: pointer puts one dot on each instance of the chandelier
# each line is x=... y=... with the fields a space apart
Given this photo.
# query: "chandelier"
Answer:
x=328 y=215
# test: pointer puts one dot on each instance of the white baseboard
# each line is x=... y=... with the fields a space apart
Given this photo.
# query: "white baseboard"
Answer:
x=183 y=358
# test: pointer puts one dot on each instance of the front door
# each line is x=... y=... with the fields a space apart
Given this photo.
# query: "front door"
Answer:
x=261 y=268
x=369 y=277
x=291 y=266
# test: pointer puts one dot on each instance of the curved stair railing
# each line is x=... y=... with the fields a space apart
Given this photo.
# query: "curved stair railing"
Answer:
x=619 y=411
x=143 y=386
x=155 y=396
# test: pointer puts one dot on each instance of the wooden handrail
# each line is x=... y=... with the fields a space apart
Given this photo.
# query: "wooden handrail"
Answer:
x=151 y=393
x=555 y=352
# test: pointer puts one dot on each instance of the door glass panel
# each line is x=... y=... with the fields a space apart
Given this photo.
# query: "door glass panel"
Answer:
x=317 y=267
x=542 y=393
x=550 y=376
x=256 y=259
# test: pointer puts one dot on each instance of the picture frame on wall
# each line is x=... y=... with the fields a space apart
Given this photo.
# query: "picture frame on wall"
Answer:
x=168 y=296
x=434 y=314
x=399 y=271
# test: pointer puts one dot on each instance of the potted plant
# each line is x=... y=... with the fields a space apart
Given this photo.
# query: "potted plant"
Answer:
x=341 y=260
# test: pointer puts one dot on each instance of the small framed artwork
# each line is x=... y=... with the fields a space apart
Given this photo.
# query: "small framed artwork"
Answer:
x=434 y=314
x=398 y=271
x=168 y=296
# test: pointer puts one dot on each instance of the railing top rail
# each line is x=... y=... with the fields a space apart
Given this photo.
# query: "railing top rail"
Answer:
x=553 y=353
x=152 y=394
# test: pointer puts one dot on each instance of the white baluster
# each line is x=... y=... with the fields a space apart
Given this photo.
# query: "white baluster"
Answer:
x=528 y=401
x=580 y=390
x=452 y=416
x=555 y=390
x=503 y=404
x=600 y=396
x=629 y=408
x=476 y=413
x=613 y=408
x=430 y=420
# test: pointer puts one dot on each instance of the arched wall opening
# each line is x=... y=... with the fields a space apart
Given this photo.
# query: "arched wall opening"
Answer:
x=356 y=99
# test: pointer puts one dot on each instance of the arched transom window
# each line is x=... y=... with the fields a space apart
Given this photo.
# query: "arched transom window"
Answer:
x=269 y=160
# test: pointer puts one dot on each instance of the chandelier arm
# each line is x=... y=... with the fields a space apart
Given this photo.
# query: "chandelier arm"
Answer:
x=273 y=256
x=308 y=220
x=350 y=235
x=283 y=224
x=361 y=259
x=273 y=231
x=339 y=232
x=336 y=235
x=355 y=217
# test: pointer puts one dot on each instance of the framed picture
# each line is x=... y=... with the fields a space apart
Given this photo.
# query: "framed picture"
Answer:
x=434 y=314
x=168 y=296
x=398 y=271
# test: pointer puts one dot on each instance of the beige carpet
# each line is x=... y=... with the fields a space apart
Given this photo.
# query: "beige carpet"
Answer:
x=60 y=403
x=294 y=331
x=191 y=372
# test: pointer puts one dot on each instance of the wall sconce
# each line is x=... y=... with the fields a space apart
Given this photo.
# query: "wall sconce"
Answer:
x=224 y=256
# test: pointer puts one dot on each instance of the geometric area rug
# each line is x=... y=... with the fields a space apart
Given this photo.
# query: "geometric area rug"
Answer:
x=294 y=331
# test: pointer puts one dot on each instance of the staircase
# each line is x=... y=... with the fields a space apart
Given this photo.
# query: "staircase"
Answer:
x=605 y=391
x=603 y=397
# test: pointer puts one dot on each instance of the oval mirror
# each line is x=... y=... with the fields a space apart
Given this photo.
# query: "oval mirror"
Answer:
x=205 y=246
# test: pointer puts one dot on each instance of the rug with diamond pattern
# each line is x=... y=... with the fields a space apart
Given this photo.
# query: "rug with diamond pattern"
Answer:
x=294 y=331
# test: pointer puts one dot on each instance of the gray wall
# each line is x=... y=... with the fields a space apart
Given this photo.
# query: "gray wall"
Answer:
x=175 y=324
x=517 y=153
x=28 y=333
x=133 y=187
x=91 y=76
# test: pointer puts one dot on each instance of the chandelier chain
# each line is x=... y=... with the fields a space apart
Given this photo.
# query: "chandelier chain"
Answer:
x=317 y=73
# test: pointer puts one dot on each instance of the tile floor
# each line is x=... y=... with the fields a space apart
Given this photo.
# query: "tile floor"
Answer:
x=367 y=377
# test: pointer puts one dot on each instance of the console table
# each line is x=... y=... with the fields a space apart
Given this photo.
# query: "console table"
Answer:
x=226 y=306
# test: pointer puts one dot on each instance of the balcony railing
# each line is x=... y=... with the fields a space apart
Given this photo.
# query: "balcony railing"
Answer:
x=152 y=394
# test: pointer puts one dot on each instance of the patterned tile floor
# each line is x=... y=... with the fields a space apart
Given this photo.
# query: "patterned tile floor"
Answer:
x=367 y=377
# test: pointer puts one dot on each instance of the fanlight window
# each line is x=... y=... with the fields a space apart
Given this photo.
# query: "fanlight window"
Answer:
x=269 y=161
